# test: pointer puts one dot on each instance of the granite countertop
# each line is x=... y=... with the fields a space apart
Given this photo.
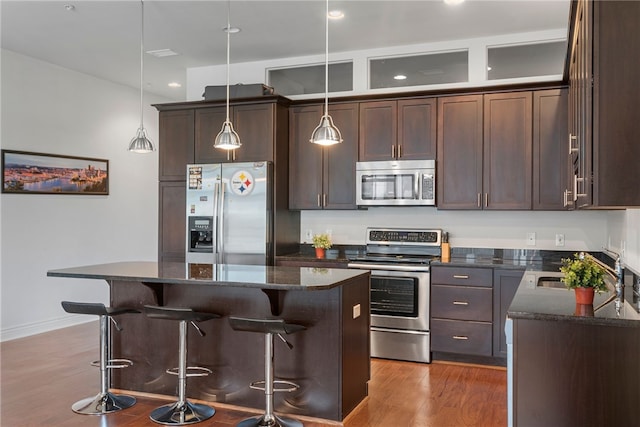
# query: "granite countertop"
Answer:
x=558 y=304
x=252 y=276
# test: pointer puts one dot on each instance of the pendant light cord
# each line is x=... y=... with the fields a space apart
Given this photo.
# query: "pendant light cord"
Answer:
x=141 y=61
x=228 y=44
x=326 y=62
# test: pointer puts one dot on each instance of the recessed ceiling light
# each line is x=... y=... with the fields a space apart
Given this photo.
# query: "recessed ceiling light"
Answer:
x=174 y=85
x=69 y=7
x=400 y=77
x=161 y=53
x=231 y=30
x=453 y=2
x=336 y=14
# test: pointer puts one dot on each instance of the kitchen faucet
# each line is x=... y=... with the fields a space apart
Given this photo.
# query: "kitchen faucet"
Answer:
x=616 y=273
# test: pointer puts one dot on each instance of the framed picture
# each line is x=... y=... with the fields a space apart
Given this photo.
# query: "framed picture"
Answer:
x=37 y=173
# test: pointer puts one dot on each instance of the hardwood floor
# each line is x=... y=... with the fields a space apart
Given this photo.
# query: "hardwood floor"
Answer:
x=43 y=375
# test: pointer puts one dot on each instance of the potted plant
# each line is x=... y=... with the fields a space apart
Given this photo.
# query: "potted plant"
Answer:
x=585 y=276
x=321 y=242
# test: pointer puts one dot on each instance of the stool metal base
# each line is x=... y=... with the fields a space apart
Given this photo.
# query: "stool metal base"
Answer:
x=181 y=413
x=103 y=404
x=273 y=422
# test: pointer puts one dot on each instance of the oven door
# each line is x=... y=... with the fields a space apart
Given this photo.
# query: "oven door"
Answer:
x=400 y=299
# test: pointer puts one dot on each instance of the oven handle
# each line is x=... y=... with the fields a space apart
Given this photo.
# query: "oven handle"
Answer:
x=387 y=267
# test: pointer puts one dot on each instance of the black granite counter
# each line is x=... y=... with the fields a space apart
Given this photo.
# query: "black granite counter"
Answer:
x=250 y=276
x=558 y=304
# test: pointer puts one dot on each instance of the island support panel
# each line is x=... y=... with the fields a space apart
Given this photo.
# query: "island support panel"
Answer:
x=329 y=360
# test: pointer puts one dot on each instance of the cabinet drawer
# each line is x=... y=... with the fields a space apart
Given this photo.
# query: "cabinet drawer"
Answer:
x=462 y=303
x=462 y=276
x=456 y=336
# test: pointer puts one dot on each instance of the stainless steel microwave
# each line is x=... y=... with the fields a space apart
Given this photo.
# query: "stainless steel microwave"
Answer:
x=396 y=183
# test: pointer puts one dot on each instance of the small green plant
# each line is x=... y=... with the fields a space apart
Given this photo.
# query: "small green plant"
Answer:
x=582 y=272
x=321 y=241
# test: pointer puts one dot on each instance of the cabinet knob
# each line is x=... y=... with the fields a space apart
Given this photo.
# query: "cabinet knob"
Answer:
x=393 y=151
x=460 y=337
x=399 y=150
x=460 y=276
x=460 y=303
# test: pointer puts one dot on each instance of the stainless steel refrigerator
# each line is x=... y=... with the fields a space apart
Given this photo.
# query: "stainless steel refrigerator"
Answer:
x=230 y=216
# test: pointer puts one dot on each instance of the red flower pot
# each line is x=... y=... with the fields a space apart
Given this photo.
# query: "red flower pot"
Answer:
x=584 y=296
x=319 y=252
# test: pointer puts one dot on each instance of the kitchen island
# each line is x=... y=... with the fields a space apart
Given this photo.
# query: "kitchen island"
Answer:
x=572 y=365
x=329 y=360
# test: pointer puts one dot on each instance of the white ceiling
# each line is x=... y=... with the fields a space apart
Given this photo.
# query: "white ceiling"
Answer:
x=102 y=38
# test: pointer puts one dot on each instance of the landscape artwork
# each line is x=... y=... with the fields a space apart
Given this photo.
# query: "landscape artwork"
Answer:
x=36 y=173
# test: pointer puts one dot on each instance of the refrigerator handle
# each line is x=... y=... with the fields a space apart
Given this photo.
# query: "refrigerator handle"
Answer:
x=220 y=231
x=216 y=228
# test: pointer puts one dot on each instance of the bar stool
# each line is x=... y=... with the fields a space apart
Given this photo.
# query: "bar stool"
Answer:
x=182 y=412
x=104 y=402
x=268 y=327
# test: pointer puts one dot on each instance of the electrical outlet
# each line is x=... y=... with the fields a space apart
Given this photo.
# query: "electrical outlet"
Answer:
x=356 y=311
x=308 y=235
x=559 y=239
x=329 y=232
x=531 y=239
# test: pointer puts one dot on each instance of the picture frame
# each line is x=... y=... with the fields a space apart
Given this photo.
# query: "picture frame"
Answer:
x=25 y=172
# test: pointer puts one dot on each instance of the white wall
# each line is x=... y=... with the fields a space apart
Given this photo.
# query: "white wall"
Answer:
x=583 y=230
x=49 y=109
x=624 y=236
x=256 y=72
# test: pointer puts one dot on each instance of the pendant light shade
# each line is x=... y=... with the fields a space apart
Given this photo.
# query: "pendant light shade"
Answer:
x=326 y=133
x=141 y=142
x=227 y=139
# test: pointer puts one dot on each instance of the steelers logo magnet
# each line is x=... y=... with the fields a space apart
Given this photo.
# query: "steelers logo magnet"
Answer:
x=242 y=183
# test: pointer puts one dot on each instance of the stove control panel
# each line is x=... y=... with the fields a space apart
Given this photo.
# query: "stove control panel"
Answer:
x=395 y=236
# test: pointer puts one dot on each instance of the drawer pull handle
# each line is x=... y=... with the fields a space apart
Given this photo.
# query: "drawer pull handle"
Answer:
x=460 y=276
x=460 y=303
x=460 y=337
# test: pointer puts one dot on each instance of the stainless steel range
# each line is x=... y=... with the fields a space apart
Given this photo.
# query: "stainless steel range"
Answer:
x=399 y=262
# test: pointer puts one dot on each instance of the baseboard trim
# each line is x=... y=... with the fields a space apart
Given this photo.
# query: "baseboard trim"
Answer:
x=22 y=331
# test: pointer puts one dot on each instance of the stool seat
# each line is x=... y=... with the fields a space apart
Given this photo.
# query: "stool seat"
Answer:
x=182 y=412
x=96 y=309
x=264 y=326
x=268 y=327
x=104 y=402
x=173 y=313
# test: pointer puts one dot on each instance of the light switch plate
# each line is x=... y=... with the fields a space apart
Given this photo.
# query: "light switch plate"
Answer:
x=559 y=239
x=356 y=311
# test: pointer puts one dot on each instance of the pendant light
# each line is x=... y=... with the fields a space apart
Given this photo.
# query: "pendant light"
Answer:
x=141 y=143
x=228 y=138
x=326 y=133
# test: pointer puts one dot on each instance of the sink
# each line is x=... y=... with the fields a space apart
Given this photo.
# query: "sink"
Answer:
x=550 y=282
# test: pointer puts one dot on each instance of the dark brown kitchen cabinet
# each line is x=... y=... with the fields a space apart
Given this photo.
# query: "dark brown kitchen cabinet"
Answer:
x=459 y=165
x=461 y=310
x=558 y=365
x=505 y=284
x=604 y=128
x=175 y=147
x=172 y=220
x=507 y=180
x=485 y=151
x=550 y=149
x=398 y=130
x=254 y=123
x=323 y=177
